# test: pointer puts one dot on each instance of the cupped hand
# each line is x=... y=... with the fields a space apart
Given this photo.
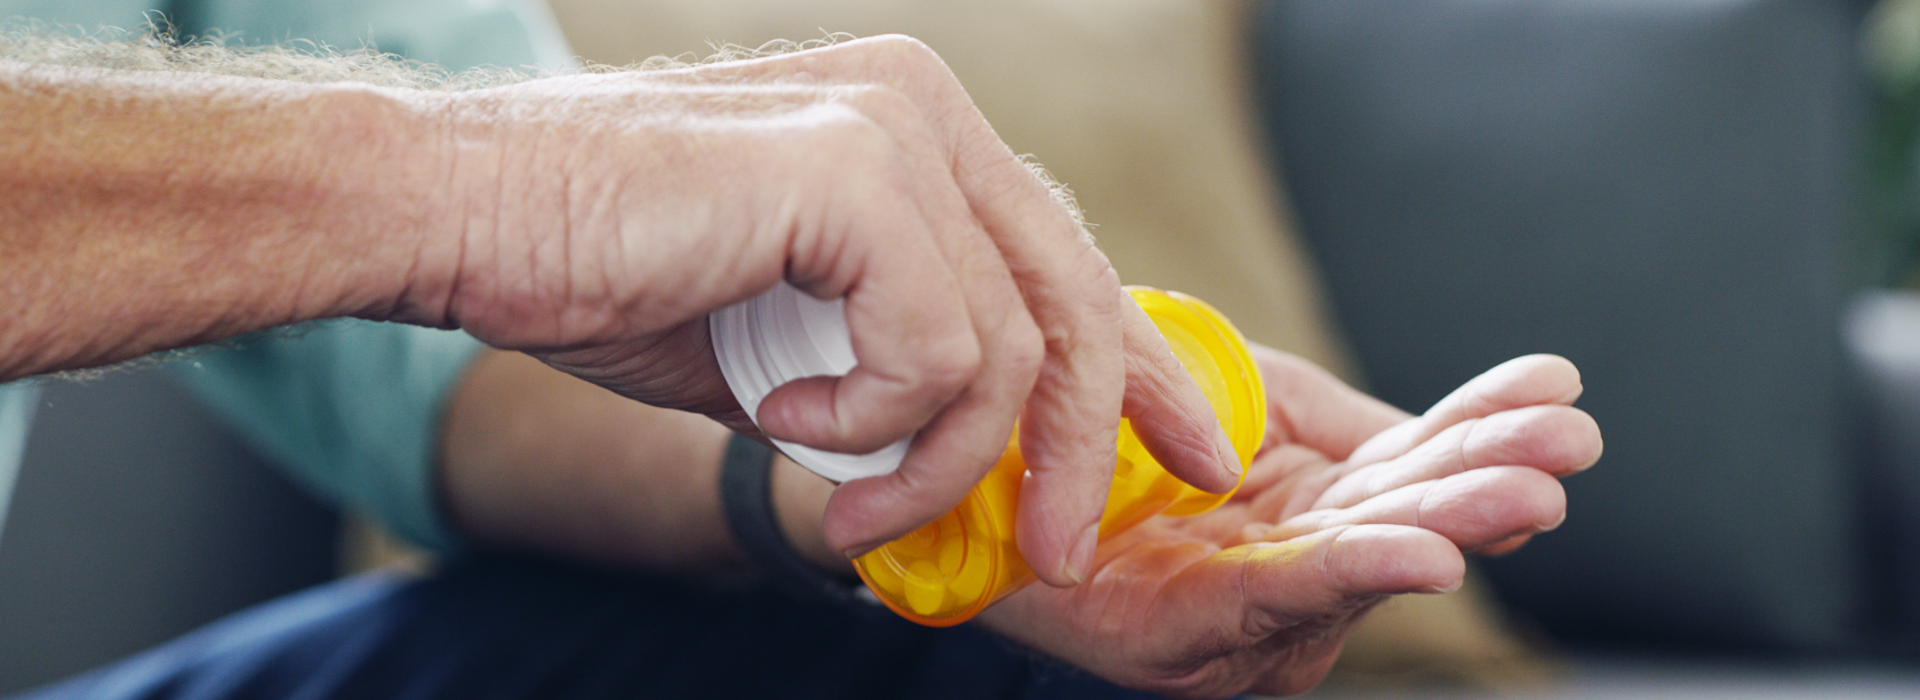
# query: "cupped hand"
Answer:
x=598 y=218
x=1349 y=502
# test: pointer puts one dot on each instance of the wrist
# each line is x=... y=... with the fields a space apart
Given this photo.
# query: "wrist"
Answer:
x=799 y=502
x=405 y=165
x=480 y=258
x=775 y=540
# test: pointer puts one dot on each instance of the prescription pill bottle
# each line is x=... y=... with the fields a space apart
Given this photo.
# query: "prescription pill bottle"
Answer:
x=949 y=570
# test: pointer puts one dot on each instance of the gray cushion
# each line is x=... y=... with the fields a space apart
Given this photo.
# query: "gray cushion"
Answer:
x=1656 y=190
x=138 y=517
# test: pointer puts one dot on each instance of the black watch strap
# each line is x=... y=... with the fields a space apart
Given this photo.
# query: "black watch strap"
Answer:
x=746 y=493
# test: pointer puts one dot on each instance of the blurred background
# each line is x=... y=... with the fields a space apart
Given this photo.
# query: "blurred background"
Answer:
x=1711 y=206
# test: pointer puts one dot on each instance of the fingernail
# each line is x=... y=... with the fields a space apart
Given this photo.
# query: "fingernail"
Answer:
x=1227 y=454
x=1557 y=523
x=1079 y=562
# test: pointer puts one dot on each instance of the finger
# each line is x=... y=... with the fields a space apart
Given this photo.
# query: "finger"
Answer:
x=1243 y=595
x=1311 y=407
x=1070 y=424
x=1473 y=510
x=957 y=448
x=1171 y=416
x=944 y=463
x=1071 y=418
x=1557 y=440
x=1305 y=471
x=869 y=242
x=1069 y=428
x=1524 y=381
x=1504 y=548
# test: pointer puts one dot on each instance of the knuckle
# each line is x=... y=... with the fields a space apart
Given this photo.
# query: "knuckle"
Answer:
x=881 y=105
x=906 y=51
x=923 y=494
x=953 y=367
x=845 y=129
x=1104 y=276
x=1025 y=348
x=1093 y=324
x=872 y=98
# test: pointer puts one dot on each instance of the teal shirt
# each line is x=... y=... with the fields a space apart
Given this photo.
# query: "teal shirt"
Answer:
x=453 y=33
x=352 y=409
x=16 y=411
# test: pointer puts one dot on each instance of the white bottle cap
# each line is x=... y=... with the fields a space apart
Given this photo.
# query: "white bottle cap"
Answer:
x=784 y=335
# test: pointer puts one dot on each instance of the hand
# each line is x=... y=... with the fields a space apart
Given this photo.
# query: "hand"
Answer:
x=1350 y=501
x=599 y=218
x=593 y=221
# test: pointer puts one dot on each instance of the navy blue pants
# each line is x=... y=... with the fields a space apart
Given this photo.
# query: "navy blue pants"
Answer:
x=514 y=628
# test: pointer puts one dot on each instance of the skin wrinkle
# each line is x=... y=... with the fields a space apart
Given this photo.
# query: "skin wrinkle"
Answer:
x=1476 y=404
x=450 y=137
x=1420 y=506
x=1455 y=461
x=1207 y=676
x=1471 y=442
x=1487 y=442
x=526 y=158
x=961 y=365
x=910 y=486
x=398 y=308
x=40 y=46
x=474 y=236
x=970 y=260
x=1289 y=678
x=874 y=139
x=604 y=208
x=1280 y=429
x=1258 y=622
x=968 y=159
x=302 y=282
x=1197 y=658
x=1383 y=476
x=1138 y=651
x=1113 y=610
x=1194 y=445
x=1326 y=555
x=164 y=185
x=573 y=265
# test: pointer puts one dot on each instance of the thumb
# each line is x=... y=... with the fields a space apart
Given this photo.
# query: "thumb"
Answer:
x=1245 y=594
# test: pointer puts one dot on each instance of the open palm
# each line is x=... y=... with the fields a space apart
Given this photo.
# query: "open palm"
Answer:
x=1349 y=501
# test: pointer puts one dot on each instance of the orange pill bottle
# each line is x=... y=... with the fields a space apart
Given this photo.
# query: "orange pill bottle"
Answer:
x=949 y=570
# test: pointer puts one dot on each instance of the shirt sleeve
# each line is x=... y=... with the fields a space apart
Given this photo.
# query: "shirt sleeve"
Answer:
x=351 y=409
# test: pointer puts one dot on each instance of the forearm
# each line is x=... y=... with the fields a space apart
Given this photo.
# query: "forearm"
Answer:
x=536 y=460
x=148 y=210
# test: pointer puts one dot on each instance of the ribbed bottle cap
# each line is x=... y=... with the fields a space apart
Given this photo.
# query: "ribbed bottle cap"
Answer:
x=784 y=335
